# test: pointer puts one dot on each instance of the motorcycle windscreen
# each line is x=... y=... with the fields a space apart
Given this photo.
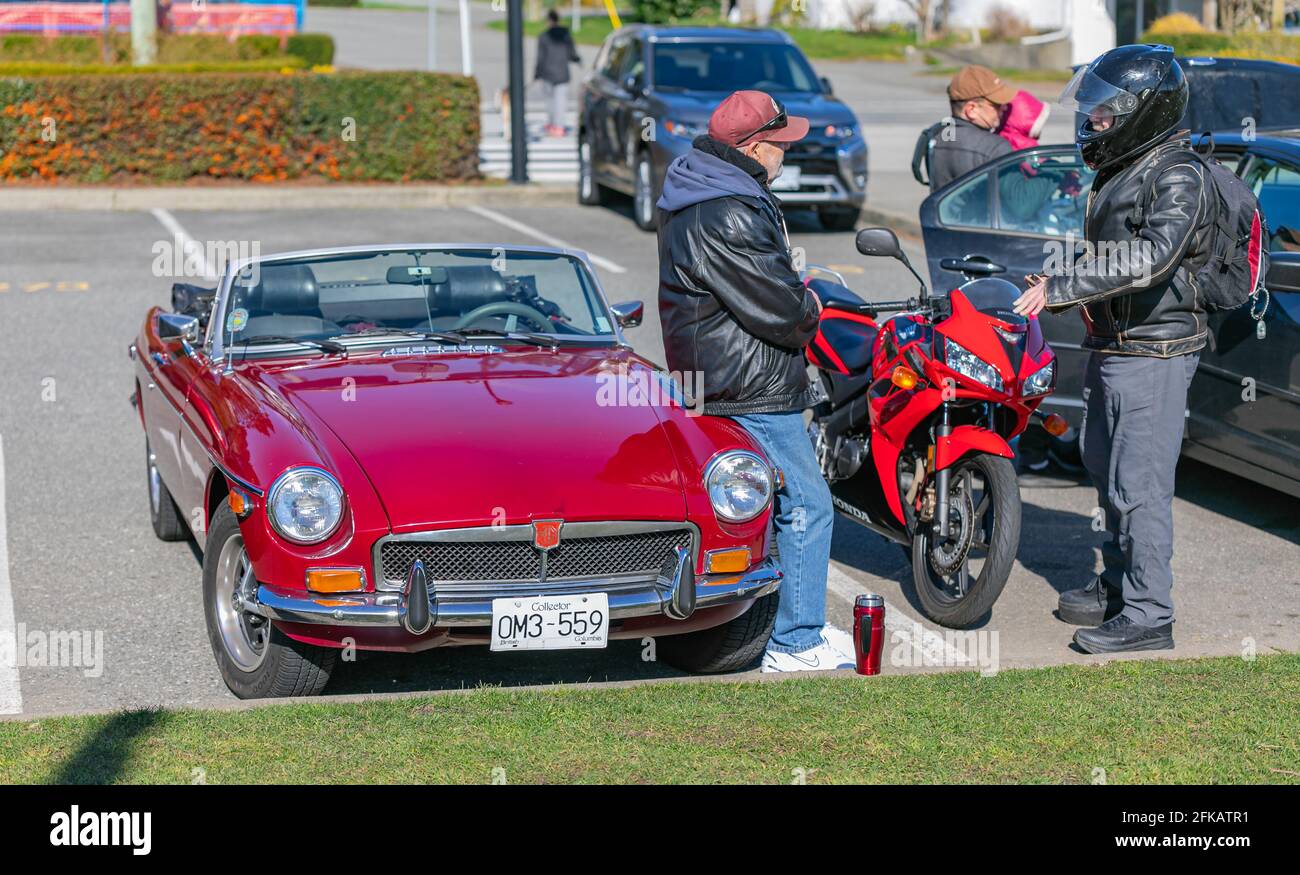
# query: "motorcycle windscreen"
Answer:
x=996 y=297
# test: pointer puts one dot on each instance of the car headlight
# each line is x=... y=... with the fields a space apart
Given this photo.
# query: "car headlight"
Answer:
x=739 y=485
x=1042 y=380
x=966 y=363
x=841 y=132
x=305 y=505
x=682 y=129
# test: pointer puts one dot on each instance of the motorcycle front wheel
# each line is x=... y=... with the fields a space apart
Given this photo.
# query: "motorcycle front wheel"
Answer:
x=958 y=578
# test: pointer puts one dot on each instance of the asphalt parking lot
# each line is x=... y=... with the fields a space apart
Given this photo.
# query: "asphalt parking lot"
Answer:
x=81 y=556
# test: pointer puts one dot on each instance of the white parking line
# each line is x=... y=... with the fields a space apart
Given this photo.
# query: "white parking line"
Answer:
x=902 y=628
x=516 y=225
x=11 y=697
x=192 y=248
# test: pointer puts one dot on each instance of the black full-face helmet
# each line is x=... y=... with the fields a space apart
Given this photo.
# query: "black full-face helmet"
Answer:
x=1125 y=102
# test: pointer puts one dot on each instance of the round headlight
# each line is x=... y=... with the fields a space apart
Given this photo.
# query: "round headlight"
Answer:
x=305 y=505
x=739 y=485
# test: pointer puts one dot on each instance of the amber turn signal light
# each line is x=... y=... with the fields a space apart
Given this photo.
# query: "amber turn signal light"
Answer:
x=728 y=561
x=903 y=377
x=335 y=579
x=1055 y=424
x=239 y=503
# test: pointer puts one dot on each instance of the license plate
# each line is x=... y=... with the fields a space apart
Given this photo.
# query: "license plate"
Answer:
x=788 y=180
x=551 y=622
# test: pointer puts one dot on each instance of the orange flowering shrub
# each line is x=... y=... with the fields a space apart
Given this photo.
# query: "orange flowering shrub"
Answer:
x=171 y=128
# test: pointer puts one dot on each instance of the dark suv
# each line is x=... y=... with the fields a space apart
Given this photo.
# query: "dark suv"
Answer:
x=653 y=88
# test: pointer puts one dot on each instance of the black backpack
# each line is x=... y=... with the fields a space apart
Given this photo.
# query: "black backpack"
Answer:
x=1238 y=261
x=921 y=153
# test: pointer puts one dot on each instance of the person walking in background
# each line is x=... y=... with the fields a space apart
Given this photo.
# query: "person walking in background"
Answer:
x=555 y=52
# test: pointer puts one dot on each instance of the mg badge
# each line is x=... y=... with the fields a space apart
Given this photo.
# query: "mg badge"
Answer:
x=546 y=534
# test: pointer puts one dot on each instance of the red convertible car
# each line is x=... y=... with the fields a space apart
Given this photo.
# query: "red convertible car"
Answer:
x=405 y=447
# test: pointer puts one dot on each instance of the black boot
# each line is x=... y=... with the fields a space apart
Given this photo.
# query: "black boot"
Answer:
x=1092 y=605
x=1120 y=633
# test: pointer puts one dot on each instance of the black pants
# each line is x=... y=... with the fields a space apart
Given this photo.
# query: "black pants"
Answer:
x=1134 y=413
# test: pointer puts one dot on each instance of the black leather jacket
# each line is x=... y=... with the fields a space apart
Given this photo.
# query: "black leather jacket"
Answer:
x=732 y=306
x=1142 y=300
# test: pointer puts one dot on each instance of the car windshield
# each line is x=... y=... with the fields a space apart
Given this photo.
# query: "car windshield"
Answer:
x=728 y=66
x=415 y=290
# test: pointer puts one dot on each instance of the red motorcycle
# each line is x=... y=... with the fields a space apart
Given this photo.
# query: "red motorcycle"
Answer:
x=913 y=432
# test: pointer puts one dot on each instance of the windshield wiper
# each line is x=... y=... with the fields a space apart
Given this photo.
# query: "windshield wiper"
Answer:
x=380 y=331
x=323 y=345
x=525 y=336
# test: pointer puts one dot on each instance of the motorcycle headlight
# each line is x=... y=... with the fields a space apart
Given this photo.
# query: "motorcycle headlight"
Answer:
x=305 y=505
x=739 y=485
x=1042 y=380
x=966 y=363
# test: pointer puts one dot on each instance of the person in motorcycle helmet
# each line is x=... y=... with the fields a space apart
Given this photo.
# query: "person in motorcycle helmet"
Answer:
x=1146 y=325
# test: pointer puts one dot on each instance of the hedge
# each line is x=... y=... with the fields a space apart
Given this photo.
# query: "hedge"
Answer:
x=1269 y=46
x=42 y=68
x=666 y=11
x=315 y=49
x=171 y=128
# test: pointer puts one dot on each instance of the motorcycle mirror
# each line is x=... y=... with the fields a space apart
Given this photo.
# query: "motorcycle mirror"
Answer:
x=878 y=242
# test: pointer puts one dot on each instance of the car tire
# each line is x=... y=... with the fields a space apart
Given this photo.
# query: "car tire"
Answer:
x=644 y=212
x=590 y=192
x=278 y=666
x=732 y=646
x=838 y=219
x=167 y=519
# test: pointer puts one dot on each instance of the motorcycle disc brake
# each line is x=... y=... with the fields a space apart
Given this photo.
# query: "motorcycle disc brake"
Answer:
x=947 y=557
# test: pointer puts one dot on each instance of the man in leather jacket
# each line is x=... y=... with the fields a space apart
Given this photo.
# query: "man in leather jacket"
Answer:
x=1146 y=324
x=735 y=312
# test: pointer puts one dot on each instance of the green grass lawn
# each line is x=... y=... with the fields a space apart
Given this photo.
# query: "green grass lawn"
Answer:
x=1211 y=720
x=839 y=45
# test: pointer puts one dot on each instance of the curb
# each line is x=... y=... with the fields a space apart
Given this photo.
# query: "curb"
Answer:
x=283 y=197
x=902 y=225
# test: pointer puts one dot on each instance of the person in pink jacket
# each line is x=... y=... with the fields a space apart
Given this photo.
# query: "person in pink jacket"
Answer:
x=1023 y=120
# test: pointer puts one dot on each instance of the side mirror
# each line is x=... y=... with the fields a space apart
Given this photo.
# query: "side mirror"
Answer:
x=1283 y=272
x=826 y=86
x=628 y=314
x=176 y=326
x=879 y=241
x=634 y=85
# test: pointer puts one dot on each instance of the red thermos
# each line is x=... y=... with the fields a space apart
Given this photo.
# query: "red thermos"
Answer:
x=869 y=632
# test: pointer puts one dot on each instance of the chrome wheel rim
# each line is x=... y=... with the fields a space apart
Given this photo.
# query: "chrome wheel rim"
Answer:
x=643 y=205
x=244 y=636
x=155 y=486
x=584 y=168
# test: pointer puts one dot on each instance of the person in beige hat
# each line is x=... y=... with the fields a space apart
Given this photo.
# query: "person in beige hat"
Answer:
x=976 y=97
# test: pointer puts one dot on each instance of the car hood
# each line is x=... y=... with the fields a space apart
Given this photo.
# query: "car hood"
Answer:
x=451 y=440
x=695 y=107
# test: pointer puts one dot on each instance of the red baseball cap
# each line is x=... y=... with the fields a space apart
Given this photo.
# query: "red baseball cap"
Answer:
x=744 y=117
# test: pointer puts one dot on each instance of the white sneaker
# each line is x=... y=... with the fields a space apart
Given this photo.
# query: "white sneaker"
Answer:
x=841 y=641
x=821 y=657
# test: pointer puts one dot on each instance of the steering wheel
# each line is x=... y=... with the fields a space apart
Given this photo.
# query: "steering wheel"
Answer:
x=503 y=308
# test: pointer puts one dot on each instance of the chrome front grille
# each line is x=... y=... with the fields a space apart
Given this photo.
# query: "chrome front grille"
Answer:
x=507 y=555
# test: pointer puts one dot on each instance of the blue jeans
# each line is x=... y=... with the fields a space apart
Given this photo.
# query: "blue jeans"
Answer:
x=804 y=518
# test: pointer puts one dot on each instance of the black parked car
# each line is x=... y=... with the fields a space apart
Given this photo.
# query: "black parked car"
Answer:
x=653 y=88
x=1015 y=212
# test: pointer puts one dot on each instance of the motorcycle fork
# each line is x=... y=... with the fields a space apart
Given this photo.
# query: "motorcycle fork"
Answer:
x=941 y=479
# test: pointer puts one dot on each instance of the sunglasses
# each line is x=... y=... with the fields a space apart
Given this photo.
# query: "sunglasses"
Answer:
x=779 y=121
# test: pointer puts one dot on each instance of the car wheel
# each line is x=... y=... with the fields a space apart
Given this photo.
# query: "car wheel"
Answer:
x=732 y=646
x=256 y=659
x=168 y=521
x=590 y=192
x=838 y=219
x=643 y=194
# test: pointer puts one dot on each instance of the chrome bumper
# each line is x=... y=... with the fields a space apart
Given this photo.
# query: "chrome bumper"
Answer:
x=676 y=593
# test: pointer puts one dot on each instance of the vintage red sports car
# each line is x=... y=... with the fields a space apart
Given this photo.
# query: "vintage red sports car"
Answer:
x=404 y=447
